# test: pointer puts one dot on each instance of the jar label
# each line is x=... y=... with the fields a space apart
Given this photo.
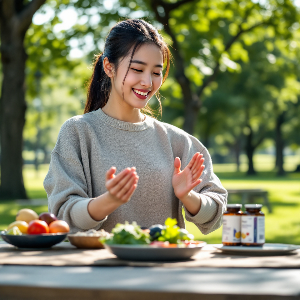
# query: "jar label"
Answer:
x=253 y=229
x=231 y=229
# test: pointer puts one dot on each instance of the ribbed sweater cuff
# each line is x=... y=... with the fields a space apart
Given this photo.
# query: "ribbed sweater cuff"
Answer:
x=81 y=217
x=206 y=213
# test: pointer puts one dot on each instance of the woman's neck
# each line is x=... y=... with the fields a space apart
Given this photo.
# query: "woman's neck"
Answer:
x=123 y=113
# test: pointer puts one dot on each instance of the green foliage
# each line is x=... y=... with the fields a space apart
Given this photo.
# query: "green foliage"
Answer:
x=255 y=45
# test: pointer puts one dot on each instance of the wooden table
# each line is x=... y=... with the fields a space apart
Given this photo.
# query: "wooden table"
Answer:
x=29 y=282
x=140 y=283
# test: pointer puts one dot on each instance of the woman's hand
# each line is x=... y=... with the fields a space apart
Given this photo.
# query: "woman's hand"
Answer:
x=184 y=181
x=121 y=187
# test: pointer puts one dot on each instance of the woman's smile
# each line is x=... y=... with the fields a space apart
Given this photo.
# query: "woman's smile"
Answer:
x=141 y=93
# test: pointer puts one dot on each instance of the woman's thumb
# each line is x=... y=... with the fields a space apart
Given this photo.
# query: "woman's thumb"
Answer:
x=177 y=165
x=110 y=173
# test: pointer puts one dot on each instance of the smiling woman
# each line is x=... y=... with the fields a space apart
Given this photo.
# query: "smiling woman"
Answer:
x=136 y=80
x=131 y=64
x=161 y=166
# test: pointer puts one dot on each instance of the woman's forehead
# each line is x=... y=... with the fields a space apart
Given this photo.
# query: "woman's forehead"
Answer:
x=149 y=54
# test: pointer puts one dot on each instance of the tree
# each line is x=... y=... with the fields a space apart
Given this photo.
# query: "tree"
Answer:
x=15 y=19
x=192 y=24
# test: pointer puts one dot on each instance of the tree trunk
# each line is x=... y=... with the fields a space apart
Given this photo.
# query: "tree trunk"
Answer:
x=191 y=100
x=279 y=144
x=250 y=151
x=237 y=153
x=192 y=103
x=15 y=19
x=13 y=107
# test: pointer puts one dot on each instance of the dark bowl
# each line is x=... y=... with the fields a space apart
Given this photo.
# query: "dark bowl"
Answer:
x=46 y=240
x=153 y=253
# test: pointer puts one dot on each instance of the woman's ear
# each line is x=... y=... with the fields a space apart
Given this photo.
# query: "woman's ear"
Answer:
x=108 y=67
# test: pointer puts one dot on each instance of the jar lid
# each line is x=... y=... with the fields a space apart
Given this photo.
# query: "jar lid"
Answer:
x=253 y=206
x=234 y=205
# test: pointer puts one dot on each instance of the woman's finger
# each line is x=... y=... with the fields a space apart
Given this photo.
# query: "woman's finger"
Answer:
x=177 y=165
x=192 y=161
x=115 y=180
x=110 y=173
x=128 y=195
x=194 y=184
x=196 y=164
x=199 y=172
x=120 y=184
x=127 y=185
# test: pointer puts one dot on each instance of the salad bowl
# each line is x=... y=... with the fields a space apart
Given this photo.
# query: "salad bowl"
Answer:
x=154 y=253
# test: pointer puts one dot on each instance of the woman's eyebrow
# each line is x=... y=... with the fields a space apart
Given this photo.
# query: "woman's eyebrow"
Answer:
x=143 y=63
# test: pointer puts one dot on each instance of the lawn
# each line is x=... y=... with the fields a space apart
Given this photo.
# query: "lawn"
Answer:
x=282 y=225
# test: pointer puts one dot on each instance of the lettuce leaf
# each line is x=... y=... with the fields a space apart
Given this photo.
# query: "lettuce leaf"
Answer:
x=130 y=234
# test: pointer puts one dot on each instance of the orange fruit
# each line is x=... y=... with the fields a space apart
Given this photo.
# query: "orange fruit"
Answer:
x=59 y=226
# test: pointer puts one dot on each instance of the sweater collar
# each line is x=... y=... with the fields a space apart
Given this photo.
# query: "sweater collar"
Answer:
x=127 y=126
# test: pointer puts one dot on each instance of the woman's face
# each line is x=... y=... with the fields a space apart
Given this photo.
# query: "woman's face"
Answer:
x=143 y=79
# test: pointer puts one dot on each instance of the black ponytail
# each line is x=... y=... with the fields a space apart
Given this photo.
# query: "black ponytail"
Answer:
x=124 y=36
x=99 y=87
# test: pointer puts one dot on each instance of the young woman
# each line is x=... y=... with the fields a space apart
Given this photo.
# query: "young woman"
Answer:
x=114 y=163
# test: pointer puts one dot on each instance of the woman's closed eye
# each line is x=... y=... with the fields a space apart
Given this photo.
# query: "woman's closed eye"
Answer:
x=137 y=70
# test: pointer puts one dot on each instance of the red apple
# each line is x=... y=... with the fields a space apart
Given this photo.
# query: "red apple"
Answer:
x=37 y=227
x=47 y=217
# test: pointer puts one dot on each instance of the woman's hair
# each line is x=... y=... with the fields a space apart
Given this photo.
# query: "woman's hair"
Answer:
x=124 y=36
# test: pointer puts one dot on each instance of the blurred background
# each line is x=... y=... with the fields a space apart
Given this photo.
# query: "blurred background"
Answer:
x=234 y=84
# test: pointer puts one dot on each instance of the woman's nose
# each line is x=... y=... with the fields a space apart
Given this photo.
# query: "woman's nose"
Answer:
x=146 y=81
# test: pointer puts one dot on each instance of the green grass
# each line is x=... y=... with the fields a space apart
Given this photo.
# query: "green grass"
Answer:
x=282 y=225
x=33 y=181
x=34 y=186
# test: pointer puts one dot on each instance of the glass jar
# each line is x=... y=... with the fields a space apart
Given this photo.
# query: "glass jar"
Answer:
x=253 y=225
x=231 y=235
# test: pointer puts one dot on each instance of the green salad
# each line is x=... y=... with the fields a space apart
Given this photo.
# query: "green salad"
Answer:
x=132 y=234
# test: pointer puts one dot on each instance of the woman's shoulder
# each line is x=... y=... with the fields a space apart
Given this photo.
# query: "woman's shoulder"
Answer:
x=76 y=122
x=169 y=128
x=173 y=131
x=178 y=137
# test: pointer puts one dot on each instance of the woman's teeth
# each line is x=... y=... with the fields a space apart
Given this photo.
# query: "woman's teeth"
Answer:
x=140 y=93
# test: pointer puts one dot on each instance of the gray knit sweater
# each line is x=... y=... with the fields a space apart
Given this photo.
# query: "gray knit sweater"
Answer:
x=88 y=145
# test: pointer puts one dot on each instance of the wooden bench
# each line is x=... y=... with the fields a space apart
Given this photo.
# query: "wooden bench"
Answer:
x=249 y=196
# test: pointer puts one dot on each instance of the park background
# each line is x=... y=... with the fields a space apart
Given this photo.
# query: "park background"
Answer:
x=233 y=83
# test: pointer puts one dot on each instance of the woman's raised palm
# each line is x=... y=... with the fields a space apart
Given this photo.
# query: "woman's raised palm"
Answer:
x=184 y=181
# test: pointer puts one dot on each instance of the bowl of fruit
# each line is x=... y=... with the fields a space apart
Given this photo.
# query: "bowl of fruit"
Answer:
x=31 y=230
x=166 y=242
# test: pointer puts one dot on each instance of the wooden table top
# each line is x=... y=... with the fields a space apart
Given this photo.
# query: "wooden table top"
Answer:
x=35 y=282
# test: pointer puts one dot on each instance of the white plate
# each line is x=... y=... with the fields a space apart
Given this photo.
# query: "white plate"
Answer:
x=152 y=253
x=266 y=249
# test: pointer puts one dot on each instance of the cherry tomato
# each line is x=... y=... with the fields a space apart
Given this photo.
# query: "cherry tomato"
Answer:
x=37 y=227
